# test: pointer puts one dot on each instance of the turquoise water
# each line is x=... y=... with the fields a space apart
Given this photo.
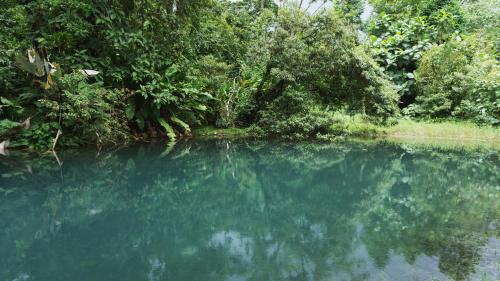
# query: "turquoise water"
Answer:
x=226 y=210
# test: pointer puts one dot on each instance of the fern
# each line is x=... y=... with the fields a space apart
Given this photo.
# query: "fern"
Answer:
x=168 y=129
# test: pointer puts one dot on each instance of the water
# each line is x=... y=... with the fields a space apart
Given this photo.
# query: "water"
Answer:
x=225 y=210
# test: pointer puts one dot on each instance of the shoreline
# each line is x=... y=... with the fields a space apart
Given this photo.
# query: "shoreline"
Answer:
x=442 y=134
x=438 y=135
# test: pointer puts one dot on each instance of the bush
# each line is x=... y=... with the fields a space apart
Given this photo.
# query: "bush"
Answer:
x=295 y=115
x=459 y=79
x=482 y=14
x=232 y=92
x=357 y=126
x=86 y=113
x=398 y=45
x=401 y=31
x=14 y=21
x=320 y=54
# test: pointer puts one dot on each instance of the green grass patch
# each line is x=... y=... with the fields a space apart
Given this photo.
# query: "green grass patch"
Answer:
x=212 y=132
x=444 y=133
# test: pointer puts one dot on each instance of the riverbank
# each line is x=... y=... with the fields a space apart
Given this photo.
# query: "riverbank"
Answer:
x=446 y=133
x=407 y=129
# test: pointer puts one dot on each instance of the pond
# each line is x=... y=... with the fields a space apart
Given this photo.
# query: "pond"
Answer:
x=251 y=210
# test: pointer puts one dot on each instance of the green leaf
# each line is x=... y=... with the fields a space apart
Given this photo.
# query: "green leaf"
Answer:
x=168 y=129
x=200 y=107
x=171 y=71
x=130 y=110
x=34 y=65
x=7 y=125
x=27 y=66
x=182 y=124
x=6 y=101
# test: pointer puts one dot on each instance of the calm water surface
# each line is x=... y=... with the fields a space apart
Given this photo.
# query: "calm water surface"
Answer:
x=225 y=210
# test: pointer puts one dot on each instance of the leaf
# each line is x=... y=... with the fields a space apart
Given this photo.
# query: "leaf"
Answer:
x=27 y=123
x=171 y=71
x=40 y=64
x=89 y=72
x=6 y=126
x=140 y=123
x=181 y=124
x=130 y=110
x=3 y=147
x=50 y=82
x=33 y=64
x=32 y=55
x=6 y=102
x=168 y=129
x=25 y=65
x=200 y=107
x=208 y=95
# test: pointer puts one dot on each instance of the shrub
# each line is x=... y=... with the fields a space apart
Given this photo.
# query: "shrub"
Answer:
x=295 y=115
x=86 y=113
x=14 y=22
x=401 y=30
x=232 y=92
x=398 y=45
x=357 y=126
x=481 y=14
x=459 y=79
x=320 y=54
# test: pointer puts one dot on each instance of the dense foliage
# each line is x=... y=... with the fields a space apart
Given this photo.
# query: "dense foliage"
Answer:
x=103 y=72
x=442 y=55
x=459 y=78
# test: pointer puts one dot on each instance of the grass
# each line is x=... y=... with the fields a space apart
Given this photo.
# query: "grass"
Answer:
x=443 y=133
x=212 y=132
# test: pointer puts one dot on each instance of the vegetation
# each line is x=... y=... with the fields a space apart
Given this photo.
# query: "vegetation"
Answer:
x=459 y=78
x=212 y=132
x=83 y=72
x=443 y=133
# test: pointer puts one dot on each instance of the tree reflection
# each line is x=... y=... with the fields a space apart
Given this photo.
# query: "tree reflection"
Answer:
x=218 y=210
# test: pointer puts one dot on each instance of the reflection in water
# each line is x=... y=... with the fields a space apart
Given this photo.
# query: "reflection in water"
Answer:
x=220 y=210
